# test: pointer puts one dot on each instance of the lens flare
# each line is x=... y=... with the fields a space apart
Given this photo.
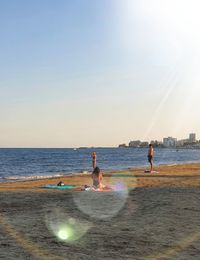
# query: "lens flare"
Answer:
x=65 y=227
x=63 y=234
x=106 y=203
x=119 y=186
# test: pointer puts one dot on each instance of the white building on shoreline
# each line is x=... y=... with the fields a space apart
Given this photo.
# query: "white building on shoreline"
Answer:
x=192 y=138
x=169 y=142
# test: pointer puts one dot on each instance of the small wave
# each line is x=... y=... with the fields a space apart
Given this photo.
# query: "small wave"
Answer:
x=35 y=177
x=172 y=164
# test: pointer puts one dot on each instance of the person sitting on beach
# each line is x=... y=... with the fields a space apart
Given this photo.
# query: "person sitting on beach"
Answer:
x=150 y=156
x=97 y=178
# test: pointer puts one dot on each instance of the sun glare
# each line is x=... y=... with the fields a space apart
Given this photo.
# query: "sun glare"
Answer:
x=178 y=16
x=168 y=33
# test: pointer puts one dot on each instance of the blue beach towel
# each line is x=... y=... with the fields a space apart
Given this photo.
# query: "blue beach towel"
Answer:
x=53 y=186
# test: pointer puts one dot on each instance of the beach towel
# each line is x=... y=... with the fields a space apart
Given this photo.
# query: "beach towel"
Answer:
x=151 y=171
x=55 y=186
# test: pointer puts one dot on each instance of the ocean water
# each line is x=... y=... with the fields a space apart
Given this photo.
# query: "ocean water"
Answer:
x=21 y=164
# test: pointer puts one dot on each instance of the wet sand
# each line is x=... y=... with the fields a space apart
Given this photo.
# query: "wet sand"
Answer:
x=157 y=218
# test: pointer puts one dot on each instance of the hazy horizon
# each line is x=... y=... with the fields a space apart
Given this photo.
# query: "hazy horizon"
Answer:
x=98 y=73
x=91 y=146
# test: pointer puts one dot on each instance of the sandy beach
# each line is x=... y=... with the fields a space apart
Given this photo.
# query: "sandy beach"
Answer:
x=157 y=217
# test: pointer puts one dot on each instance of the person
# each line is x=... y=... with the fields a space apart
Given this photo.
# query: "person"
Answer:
x=94 y=159
x=97 y=178
x=150 y=156
x=60 y=183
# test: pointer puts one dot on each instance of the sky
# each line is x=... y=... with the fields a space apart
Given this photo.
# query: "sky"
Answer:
x=98 y=72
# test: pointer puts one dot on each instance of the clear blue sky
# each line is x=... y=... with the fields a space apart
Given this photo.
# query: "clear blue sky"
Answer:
x=98 y=72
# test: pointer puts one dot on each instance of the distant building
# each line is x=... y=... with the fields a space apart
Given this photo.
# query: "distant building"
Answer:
x=156 y=143
x=192 y=138
x=144 y=144
x=134 y=143
x=182 y=142
x=122 y=146
x=169 y=142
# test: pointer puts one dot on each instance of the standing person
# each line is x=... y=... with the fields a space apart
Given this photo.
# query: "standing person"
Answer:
x=150 y=156
x=94 y=159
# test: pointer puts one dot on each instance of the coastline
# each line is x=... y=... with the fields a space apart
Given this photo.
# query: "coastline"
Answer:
x=164 y=175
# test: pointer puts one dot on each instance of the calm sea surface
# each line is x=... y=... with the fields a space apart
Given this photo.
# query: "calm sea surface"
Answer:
x=18 y=164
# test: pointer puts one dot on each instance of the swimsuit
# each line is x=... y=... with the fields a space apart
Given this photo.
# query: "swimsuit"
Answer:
x=150 y=157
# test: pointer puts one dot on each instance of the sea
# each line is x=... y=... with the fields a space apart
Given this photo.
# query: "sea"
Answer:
x=34 y=163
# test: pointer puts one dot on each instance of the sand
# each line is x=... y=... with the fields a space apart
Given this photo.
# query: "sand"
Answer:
x=156 y=217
